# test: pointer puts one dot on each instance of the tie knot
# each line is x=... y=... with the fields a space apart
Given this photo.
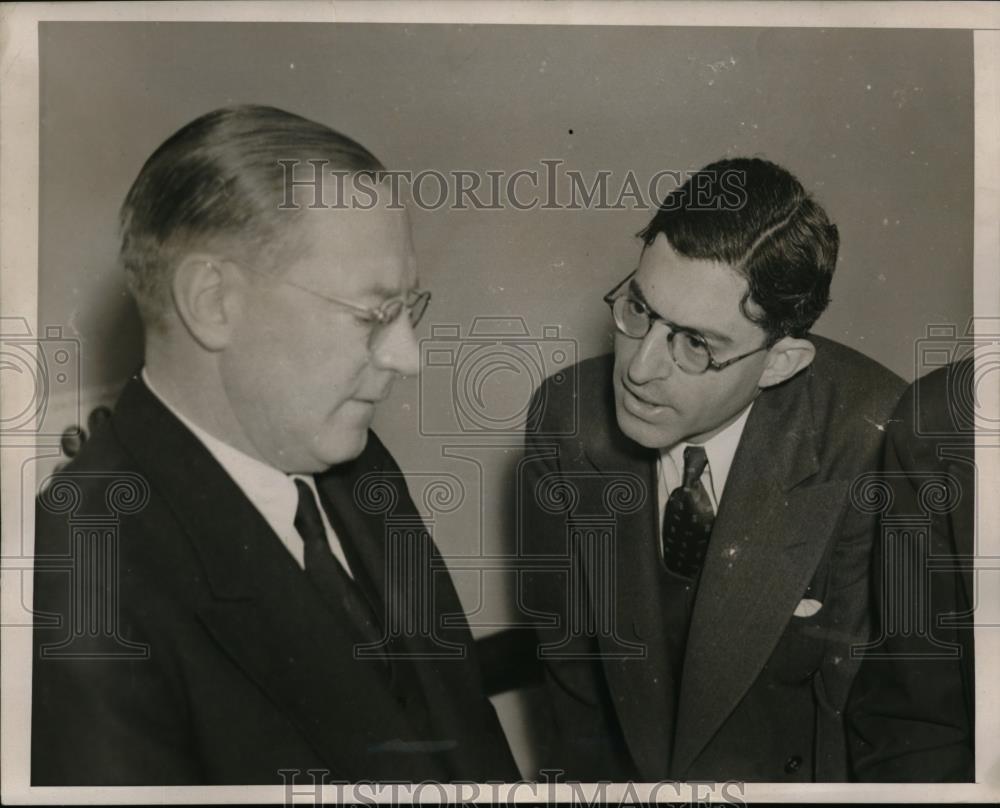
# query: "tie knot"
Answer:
x=695 y=461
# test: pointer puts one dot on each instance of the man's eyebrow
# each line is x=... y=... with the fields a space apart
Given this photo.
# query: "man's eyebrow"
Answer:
x=707 y=333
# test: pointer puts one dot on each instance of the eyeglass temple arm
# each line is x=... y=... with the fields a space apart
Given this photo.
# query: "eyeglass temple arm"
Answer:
x=610 y=296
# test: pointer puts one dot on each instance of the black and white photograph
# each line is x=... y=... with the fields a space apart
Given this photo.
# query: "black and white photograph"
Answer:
x=550 y=402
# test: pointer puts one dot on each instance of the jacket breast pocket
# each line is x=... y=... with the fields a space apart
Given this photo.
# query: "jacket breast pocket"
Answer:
x=800 y=651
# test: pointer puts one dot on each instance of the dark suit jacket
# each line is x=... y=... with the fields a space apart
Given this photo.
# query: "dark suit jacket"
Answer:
x=761 y=693
x=212 y=659
x=912 y=711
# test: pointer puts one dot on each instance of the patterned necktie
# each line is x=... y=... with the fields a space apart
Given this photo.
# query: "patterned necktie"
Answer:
x=688 y=518
x=326 y=573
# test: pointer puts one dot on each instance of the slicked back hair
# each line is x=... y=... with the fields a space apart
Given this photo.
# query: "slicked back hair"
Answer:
x=755 y=217
x=218 y=182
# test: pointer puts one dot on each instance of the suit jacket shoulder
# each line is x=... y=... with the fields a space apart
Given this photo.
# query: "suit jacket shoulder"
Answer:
x=935 y=411
x=851 y=398
x=577 y=408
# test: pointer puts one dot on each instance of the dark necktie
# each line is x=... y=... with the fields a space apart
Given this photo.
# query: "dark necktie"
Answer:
x=688 y=518
x=325 y=571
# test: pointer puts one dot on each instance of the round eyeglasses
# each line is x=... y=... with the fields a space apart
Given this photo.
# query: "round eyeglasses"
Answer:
x=688 y=349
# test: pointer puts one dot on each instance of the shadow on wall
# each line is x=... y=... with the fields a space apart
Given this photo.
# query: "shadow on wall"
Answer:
x=110 y=331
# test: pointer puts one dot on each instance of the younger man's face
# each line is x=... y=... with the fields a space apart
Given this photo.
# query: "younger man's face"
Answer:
x=659 y=405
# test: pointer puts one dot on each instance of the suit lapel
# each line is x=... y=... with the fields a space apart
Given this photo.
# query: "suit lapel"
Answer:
x=361 y=535
x=432 y=673
x=769 y=536
x=261 y=611
x=642 y=687
x=365 y=540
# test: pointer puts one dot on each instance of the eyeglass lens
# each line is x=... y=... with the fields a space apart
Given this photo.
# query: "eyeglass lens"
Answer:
x=415 y=304
x=689 y=352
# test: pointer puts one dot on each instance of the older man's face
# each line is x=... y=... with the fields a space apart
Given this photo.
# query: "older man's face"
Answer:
x=303 y=375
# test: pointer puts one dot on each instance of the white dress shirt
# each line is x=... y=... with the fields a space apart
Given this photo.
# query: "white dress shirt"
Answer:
x=270 y=491
x=720 y=450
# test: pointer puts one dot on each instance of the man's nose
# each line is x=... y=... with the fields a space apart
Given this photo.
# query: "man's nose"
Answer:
x=396 y=348
x=652 y=358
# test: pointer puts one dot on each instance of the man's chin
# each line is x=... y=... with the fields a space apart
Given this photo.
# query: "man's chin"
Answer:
x=343 y=450
x=651 y=436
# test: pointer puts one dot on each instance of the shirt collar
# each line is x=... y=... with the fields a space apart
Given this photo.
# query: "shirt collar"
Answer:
x=270 y=490
x=720 y=450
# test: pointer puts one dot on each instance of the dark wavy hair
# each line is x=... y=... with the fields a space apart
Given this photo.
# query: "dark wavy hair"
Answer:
x=218 y=181
x=756 y=217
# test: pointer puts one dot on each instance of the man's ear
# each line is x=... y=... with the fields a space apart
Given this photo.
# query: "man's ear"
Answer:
x=208 y=297
x=787 y=357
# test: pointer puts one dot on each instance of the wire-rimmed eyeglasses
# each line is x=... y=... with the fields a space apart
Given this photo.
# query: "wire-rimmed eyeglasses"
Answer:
x=415 y=302
x=691 y=353
x=386 y=313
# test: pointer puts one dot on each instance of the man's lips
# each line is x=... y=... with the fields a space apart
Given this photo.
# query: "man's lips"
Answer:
x=374 y=398
x=640 y=406
x=367 y=406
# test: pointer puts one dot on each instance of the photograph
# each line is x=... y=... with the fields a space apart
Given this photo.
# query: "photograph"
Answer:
x=546 y=402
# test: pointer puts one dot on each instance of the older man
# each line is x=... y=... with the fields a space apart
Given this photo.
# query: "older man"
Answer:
x=697 y=482
x=254 y=595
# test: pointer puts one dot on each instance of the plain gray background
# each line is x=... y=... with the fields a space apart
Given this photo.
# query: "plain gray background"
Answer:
x=877 y=123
